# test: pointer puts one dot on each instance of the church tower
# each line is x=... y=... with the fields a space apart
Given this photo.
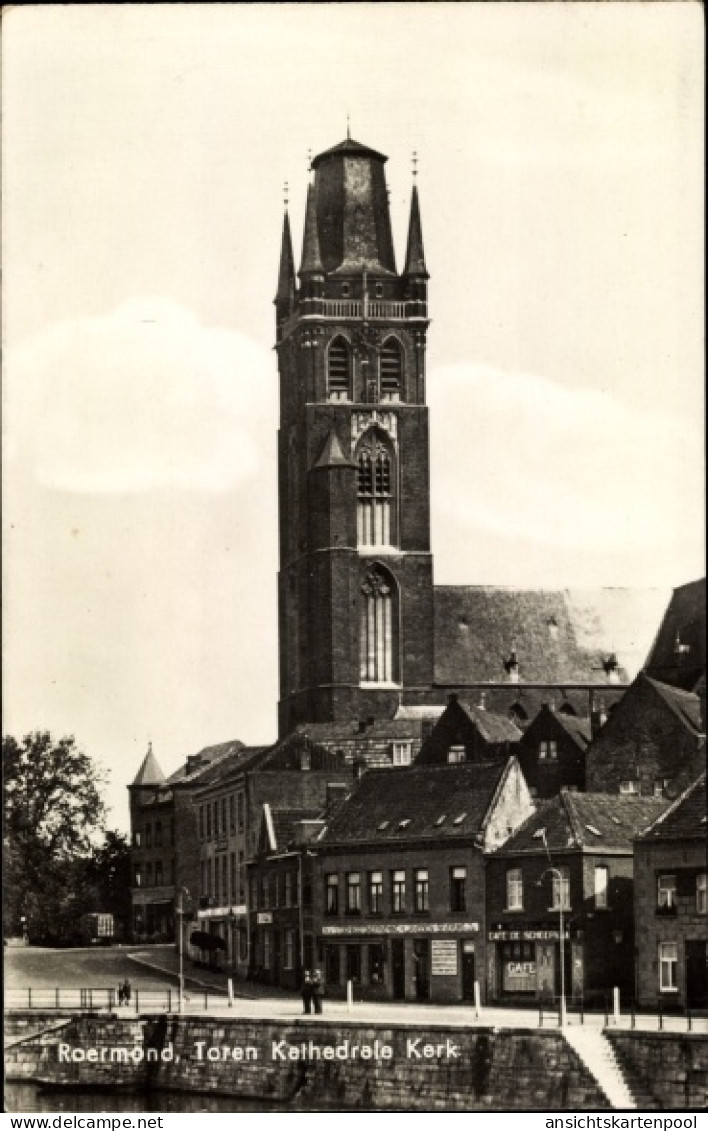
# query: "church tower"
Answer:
x=355 y=583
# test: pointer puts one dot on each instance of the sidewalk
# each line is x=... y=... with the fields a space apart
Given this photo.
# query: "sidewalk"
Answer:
x=253 y=1000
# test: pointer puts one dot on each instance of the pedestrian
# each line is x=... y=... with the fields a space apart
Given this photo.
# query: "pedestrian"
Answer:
x=120 y=994
x=317 y=990
x=126 y=992
x=307 y=992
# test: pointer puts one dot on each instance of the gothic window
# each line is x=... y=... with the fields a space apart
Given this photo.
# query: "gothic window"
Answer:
x=378 y=640
x=374 y=493
x=338 y=367
x=391 y=370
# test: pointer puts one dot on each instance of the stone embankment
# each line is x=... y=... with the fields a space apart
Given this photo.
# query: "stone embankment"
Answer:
x=345 y=1066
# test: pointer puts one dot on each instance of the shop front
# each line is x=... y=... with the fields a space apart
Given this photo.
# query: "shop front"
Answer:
x=525 y=964
x=402 y=962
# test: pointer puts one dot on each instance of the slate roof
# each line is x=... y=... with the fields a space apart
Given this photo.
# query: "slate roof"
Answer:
x=559 y=636
x=684 y=704
x=678 y=654
x=348 y=148
x=492 y=727
x=420 y=797
x=685 y=818
x=150 y=772
x=578 y=729
x=590 y=822
x=284 y=822
x=221 y=767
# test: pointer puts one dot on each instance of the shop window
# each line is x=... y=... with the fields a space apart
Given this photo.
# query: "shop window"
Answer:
x=376 y=964
x=421 y=890
x=514 y=890
x=518 y=967
x=354 y=964
x=458 y=881
x=668 y=967
x=375 y=892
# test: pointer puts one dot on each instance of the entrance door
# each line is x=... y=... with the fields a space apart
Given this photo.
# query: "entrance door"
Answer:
x=697 y=973
x=546 y=971
x=468 y=971
x=398 y=969
x=421 y=957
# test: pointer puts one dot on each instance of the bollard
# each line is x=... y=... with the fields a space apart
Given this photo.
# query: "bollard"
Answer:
x=29 y=997
x=137 y=999
x=477 y=1004
x=582 y=1011
x=616 y=1004
x=56 y=997
x=540 y=1016
x=206 y=1000
x=689 y=1019
x=634 y=1015
x=230 y=988
x=169 y=1001
x=350 y=995
x=661 y=1017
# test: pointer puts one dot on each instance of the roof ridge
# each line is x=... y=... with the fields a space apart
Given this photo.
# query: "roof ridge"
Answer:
x=576 y=825
x=675 y=803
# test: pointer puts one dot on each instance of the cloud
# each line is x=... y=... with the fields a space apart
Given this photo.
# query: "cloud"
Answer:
x=144 y=397
x=522 y=460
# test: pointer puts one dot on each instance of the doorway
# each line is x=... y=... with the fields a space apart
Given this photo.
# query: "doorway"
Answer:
x=697 y=973
x=421 y=958
x=546 y=971
x=398 y=969
x=468 y=970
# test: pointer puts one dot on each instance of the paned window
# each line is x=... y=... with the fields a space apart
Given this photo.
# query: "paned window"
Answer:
x=353 y=893
x=421 y=889
x=458 y=881
x=668 y=967
x=374 y=482
x=377 y=642
x=514 y=890
x=332 y=894
x=601 y=874
x=561 y=890
x=666 y=892
x=398 y=891
x=375 y=891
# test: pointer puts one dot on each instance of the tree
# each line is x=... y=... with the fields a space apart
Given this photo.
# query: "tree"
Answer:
x=53 y=814
x=109 y=872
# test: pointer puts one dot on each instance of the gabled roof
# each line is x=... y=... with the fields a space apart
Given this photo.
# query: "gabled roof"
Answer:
x=685 y=818
x=591 y=822
x=678 y=654
x=332 y=454
x=684 y=704
x=284 y=822
x=492 y=727
x=150 y=772
x=558 y=636
x=431 y=802
x=578 y=729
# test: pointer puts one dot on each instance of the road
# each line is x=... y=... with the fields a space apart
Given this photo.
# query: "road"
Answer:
x=44 y=968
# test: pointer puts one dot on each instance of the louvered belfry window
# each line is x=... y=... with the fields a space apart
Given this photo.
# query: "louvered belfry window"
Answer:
x=374 y=495
x=391 y=370
x=338 y=370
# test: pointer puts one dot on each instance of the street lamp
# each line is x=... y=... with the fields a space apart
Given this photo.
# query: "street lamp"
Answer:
x=180 y=944
x=559 y=876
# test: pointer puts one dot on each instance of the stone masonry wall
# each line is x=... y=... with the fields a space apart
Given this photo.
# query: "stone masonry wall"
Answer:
x=433 y=1069
x=671 y=1068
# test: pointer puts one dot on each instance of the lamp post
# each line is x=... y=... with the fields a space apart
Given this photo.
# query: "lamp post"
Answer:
x=180 y=945
x=559 y=875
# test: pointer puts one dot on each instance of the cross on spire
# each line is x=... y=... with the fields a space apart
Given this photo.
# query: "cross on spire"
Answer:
x=285 y=194
x=414 y=162
x=349 y=136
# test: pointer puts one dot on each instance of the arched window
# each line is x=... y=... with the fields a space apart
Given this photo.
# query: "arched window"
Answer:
x=374 y=492
x=338 y=368
x=391 y=370
x=378 y=629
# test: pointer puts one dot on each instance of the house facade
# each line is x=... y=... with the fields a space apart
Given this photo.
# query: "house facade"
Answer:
x=671 y=906
x=570 y=864
x=398 y=891
x=551 y=752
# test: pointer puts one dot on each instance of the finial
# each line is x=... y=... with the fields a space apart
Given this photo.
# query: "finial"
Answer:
x=414 y=162
x=309 y=160
x=349 y=136
x=285 y=194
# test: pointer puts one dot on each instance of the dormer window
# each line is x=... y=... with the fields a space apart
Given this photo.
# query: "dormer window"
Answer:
x=401 y=754
x=345 y=290
x=455 y=754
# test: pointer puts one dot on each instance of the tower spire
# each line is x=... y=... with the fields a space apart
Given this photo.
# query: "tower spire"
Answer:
x=286 y=272
x=311 y=263
x=415 y=256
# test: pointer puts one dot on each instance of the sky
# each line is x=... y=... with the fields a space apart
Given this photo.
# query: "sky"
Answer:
x=560 y=157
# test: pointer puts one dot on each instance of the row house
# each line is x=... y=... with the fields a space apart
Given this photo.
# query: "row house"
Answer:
x=469 y=733
x=398 y=885
x=652 y=744
x=671 y=905
x=571 y=863
x=552 y=751
x=294 y=774
x=164 y=845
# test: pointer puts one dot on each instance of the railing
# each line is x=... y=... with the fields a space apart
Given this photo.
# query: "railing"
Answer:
x=602 y=1011
x=372 y=308
x=92 y=999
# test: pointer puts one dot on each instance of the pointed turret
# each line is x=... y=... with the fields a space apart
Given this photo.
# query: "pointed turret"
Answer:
x=285 y=296
x=150 y=772
x=415 y=256
x=311 y=257
x=332 y=454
